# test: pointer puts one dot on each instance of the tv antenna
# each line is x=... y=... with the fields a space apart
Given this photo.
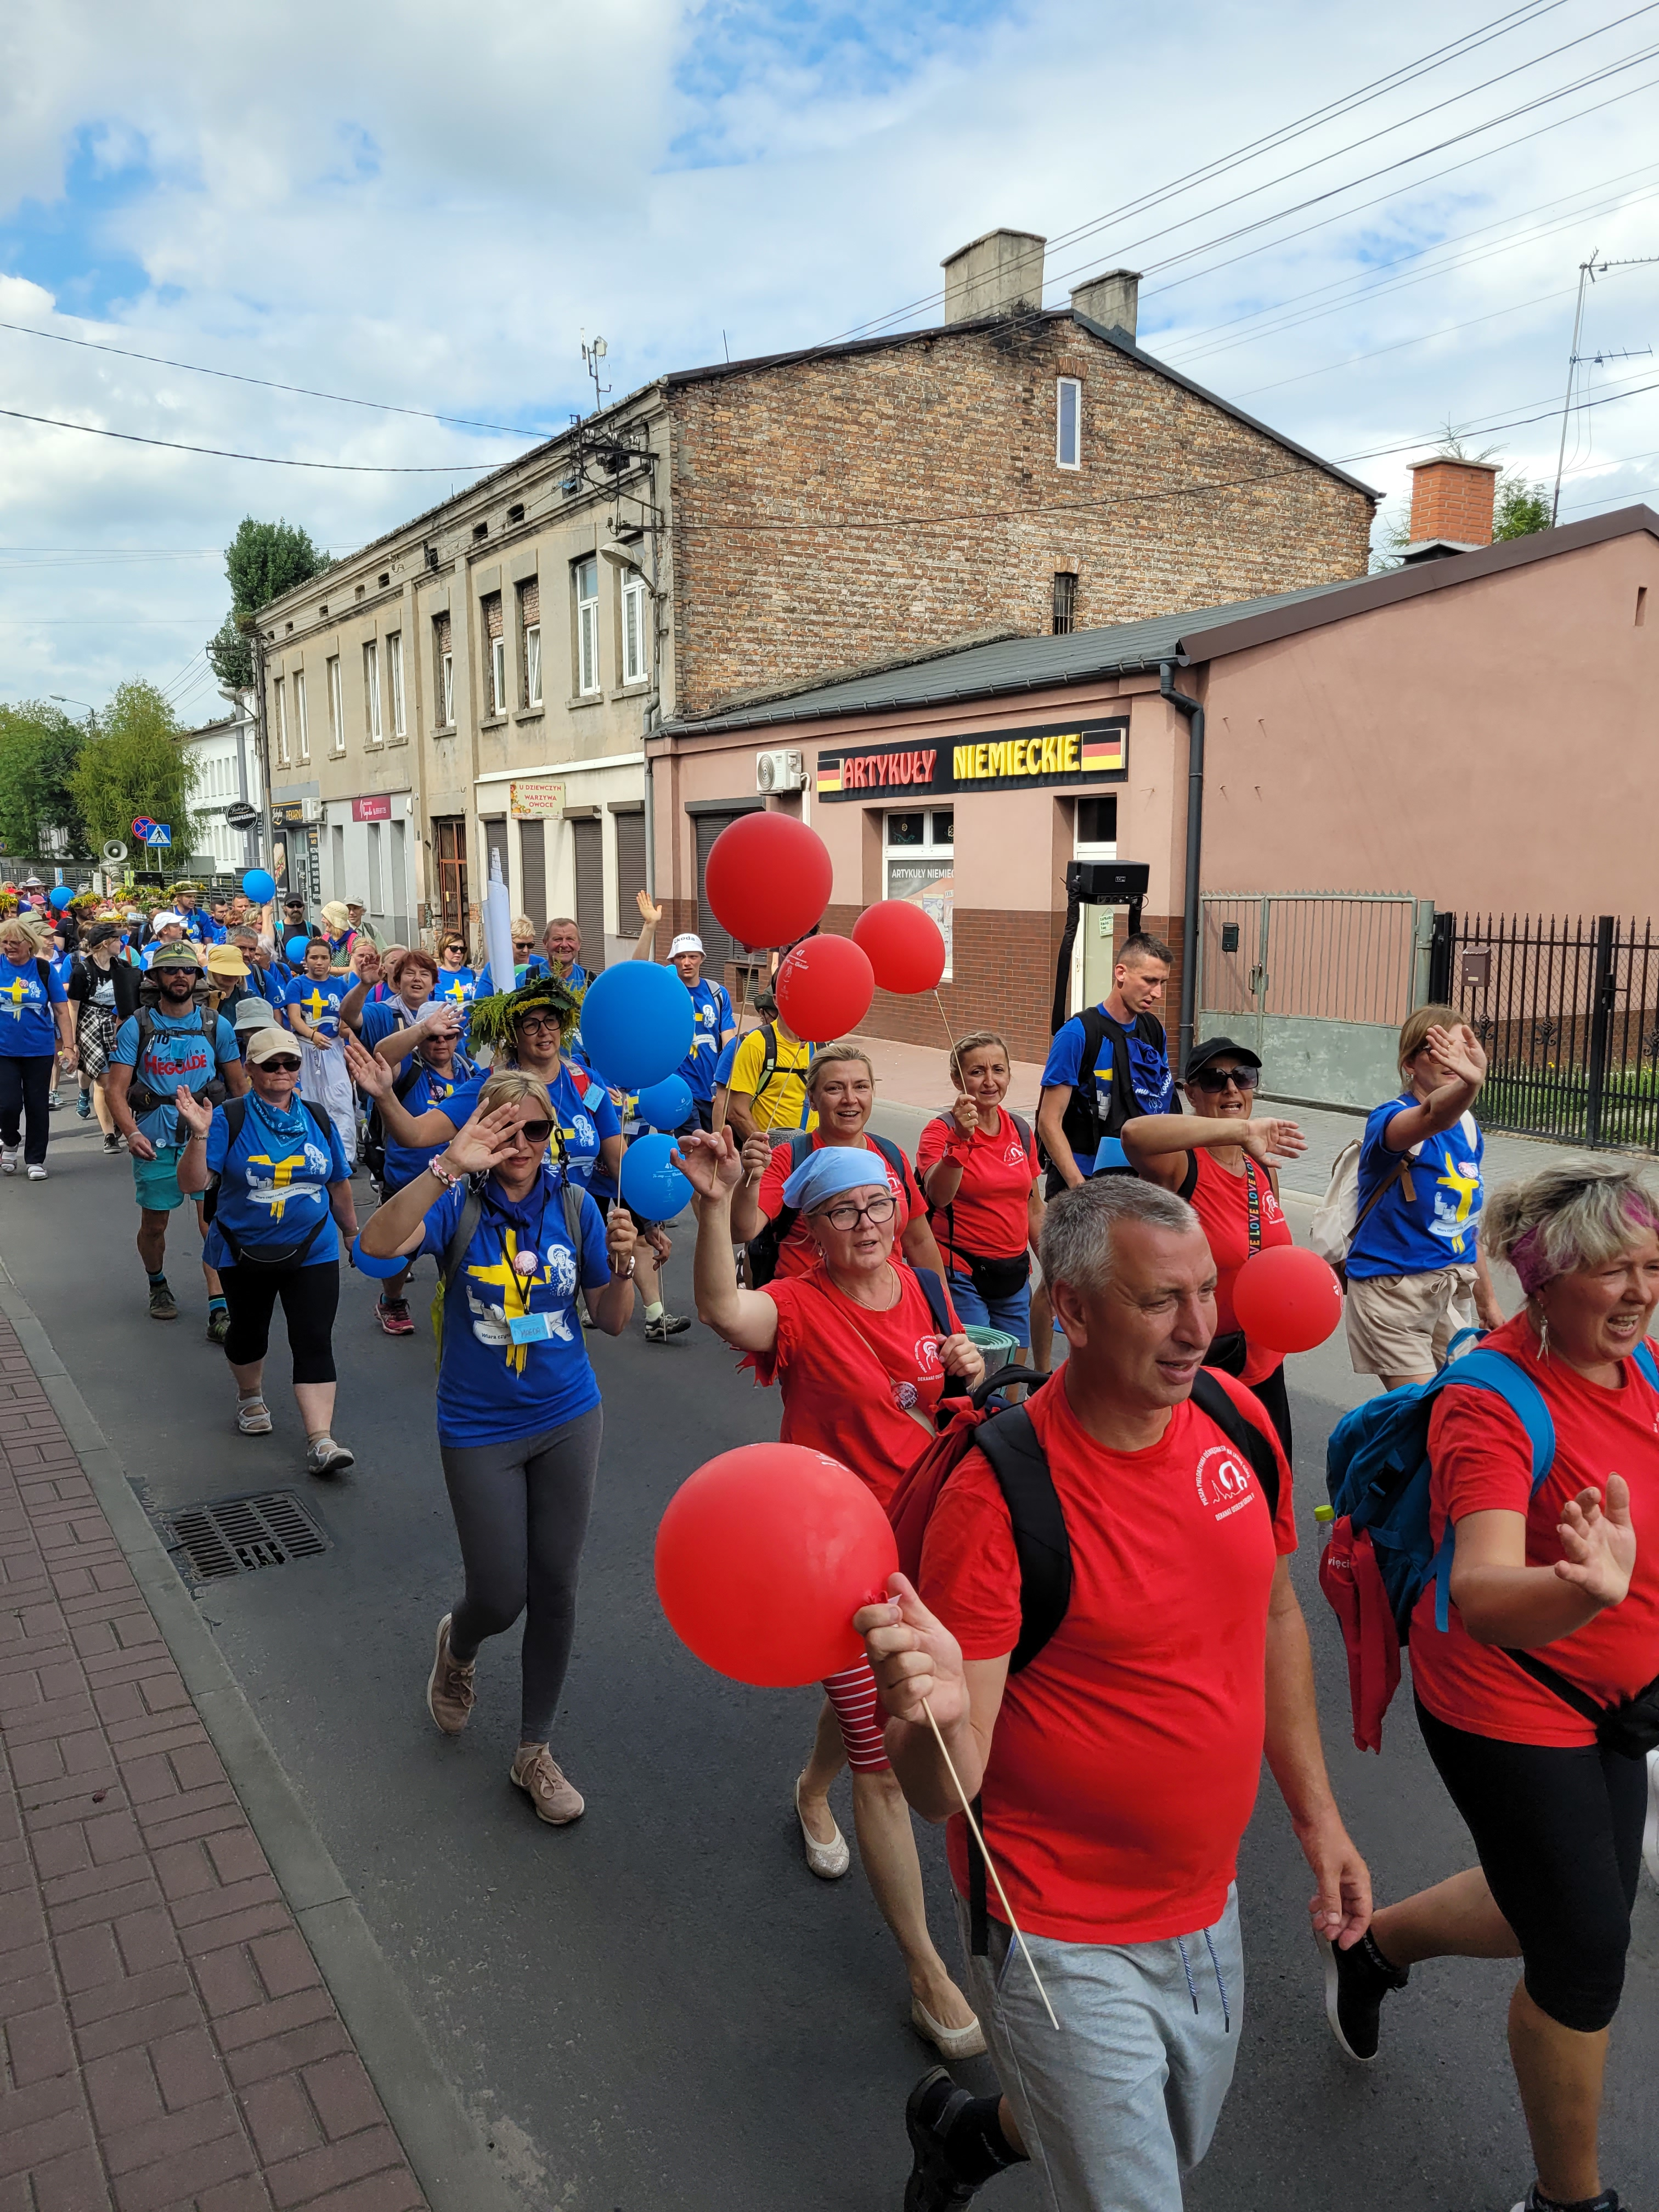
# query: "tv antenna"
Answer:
x=592 y=355
x=1587 y=272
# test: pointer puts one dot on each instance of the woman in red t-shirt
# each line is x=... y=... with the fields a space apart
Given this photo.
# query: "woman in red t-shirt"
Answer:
x=861 y=1363
x=1219 y=1157
x=1553 y=1627
x=978 y=1165
x=841 y=1085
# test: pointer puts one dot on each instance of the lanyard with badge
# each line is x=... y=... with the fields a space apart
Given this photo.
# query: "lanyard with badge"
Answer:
x=529 y=1327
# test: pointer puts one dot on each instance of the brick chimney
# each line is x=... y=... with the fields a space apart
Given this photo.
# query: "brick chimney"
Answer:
x=1112 y=299
x=993 y=275
x=1451 y=506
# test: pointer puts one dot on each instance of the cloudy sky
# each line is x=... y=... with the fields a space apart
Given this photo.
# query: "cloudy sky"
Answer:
x=1358 y=222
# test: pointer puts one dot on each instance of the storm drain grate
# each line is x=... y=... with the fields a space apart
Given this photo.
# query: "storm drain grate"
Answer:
x=239 y=1536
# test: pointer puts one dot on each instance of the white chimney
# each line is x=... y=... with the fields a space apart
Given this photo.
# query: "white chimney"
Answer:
x=994 y=275
x=1112 y=301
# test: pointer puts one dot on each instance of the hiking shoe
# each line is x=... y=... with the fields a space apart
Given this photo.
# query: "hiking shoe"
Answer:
x=934 y=2104
x=161 y=1306
x=9 y=1158
x=53 y=1104
x=665 y=1325
x=537 y=1772
x=393 y=1316
x=252 y=1416
x=111 y=1143
x=325 y=1457
x=37 y=1170
x=83 y=1105
x=218 y=1324
x=1607 y=2202
x=1356 y=1982
x=450 y=1695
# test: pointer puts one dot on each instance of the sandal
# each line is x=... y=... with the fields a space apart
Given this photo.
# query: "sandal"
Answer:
x=254 y=1417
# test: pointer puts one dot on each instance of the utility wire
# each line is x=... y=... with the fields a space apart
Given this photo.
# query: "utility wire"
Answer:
x=266 y=460
x=1448 y=330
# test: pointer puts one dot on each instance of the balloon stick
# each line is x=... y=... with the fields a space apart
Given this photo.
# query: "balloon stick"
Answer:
x=949 y=1039
x=990 y=1863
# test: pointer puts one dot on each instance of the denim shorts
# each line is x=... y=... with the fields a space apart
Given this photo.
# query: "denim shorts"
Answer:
x=1012 y=1315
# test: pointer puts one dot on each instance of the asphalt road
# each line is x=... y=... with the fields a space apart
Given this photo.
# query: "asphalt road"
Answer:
x=660 y=2008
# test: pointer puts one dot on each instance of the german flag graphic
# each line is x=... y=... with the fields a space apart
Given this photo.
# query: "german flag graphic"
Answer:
x=829 y=776
x=1104 y=751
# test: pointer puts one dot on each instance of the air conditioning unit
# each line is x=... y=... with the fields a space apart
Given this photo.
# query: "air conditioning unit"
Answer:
x=780 y=772
x=310 y=810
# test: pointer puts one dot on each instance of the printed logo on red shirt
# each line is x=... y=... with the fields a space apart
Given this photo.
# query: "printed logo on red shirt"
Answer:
x=1015 y=1154
x=1225 y=1482
x=927 y=1356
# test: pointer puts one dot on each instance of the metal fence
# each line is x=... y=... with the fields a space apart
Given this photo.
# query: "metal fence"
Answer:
x=1568 y=1011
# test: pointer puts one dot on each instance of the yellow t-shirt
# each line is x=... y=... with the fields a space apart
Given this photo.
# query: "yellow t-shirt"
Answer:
x=782 y=1104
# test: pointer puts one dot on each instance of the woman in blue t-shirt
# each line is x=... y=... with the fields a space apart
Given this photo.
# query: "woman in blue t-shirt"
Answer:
x=457 y=984
x=283 y=1185
x=519 y=1413
x=35 y=1027
x=1416 y=1273
x=314 y=1000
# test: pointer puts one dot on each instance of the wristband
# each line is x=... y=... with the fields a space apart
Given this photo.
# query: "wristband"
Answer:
x=624 y=1274
x=446 y=1177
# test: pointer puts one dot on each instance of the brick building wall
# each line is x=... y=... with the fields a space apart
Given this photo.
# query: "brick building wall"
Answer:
x=960 y=423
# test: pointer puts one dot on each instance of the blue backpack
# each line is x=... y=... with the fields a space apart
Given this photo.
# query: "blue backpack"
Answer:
x=1377 y=1469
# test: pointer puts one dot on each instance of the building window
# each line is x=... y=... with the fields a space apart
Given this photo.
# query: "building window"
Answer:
x=496 y=652
x=918 y=865
x=587 y=626
x=335 y=706
x=1065 y=602
x=1097 y=828
x=302 y=732
x=279 y=707
x=635 y=645
x=1068 y=423
x=372 y=690
x=530 y=628
x=394 y=669
x=446 y=669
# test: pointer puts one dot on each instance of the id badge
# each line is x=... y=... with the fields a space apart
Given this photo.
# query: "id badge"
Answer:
x=530 y=1328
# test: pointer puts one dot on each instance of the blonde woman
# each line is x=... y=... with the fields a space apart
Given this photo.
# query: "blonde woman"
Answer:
x=35 y=1026
x=978 y=1164
x=518 y=1414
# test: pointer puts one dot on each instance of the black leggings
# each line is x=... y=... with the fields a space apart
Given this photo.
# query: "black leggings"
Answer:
x=521 y=1514
x=309 y=1296
x=25 y=1087
x=1558 y=1834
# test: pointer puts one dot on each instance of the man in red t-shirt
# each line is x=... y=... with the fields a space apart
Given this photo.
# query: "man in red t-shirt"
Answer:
x=1117 y=1771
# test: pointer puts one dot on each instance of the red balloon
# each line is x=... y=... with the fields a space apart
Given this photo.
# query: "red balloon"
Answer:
x=1287 y=1299
x=906 y=945
x=768 y=879
x=763 y=1556
x=825 y=988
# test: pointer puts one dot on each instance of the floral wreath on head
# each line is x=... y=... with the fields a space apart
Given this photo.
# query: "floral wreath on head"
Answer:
x=494 y=1020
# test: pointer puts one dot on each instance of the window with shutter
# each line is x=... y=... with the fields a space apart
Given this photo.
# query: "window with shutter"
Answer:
x=496 y=650
x=530 y=630
x=445 y=669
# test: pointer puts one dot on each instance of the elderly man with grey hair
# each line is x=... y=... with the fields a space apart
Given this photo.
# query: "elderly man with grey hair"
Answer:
x=1116 y=1765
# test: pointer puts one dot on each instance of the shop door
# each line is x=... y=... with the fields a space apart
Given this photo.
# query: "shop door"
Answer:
x=590 y=891
x=449 y=862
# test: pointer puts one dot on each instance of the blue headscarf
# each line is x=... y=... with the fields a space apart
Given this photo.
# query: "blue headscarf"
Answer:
x=831 y=1169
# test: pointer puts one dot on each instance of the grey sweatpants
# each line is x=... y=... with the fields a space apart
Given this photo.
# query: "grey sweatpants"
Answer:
x=521 y=1514
x=1125 y=2099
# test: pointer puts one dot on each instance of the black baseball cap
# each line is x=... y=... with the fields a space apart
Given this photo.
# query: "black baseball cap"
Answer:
x=1213 y=1048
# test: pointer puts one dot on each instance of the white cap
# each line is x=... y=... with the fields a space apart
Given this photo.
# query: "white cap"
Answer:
x=161 y=921
x=687 y=941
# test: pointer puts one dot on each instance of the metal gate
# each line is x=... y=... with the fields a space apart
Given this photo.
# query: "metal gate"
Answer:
x=1568 y=1011
x=1318 y=983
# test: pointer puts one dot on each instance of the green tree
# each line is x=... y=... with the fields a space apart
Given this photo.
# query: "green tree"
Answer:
x=1521 y=506
x=134 y=765
x=40 y=745
x=263 y=561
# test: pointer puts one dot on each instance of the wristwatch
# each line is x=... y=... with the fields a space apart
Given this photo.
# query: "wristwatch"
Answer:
x=624 y=1274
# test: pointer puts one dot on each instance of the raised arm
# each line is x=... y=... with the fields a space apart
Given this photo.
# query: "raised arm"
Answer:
x=944 y=1178
x=1156 y=1145
x=747 y=1319
x=372 y=1076
x=651 y=915
x=1504 y=1600
x=1459 y=1066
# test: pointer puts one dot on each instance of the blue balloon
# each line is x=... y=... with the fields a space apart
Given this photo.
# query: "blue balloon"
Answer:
x=667 y=1104
x=368 y=1263
x=652 y=1187
x=60 y=898
x=260 y=885
x=637 y=1023
x=295 y=948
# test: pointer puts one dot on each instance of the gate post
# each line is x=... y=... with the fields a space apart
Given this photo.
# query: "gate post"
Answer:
x=1602 y=990
x=1442 y=941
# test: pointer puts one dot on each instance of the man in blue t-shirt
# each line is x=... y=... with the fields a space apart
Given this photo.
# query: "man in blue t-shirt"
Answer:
x=1416 y=1273
x=172 y=1043
x=1106 y=1065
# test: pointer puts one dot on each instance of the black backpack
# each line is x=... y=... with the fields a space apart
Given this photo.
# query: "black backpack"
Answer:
x=1089 y=1116
x=763 y=1249
x=1042 y=1545
x=285 y=1256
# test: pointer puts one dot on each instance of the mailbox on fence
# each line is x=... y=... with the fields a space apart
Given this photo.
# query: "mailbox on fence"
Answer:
x=1477 y=971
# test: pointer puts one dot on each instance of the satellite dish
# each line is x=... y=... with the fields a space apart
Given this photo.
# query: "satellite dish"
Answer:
x=114 y=851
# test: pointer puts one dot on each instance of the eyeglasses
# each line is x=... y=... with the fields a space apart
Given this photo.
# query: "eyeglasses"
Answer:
x=1216 y=1079
x=527 y=1022
x=283 y=1063
x=537 y=1132
x=877 y=1211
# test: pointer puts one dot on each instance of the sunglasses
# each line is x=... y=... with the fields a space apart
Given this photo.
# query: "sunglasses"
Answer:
x=522 y=943
x=281 y=1063
x=536 y=1132
x=1214 y=1080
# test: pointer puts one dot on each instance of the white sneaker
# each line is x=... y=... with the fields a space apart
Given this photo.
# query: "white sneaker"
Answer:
x=8 y=1160
x=37 y=1173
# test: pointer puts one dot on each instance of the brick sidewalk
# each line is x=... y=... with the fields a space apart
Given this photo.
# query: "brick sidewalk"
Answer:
x=169 y=2044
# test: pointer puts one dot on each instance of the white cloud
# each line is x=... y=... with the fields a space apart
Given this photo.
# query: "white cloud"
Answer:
x=428 y=207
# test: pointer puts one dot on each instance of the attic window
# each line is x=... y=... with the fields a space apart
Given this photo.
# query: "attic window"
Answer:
x=287 y=628
x=362 y=588
x=516 y=513
x=384 y=578
x=480 y=530
x=322 y=611
x=1069 y=426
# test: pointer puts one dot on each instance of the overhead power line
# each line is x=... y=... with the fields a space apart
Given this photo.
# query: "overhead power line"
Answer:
x=266 y=460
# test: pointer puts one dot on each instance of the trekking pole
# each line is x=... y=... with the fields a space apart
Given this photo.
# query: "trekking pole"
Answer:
x=990 y=1863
